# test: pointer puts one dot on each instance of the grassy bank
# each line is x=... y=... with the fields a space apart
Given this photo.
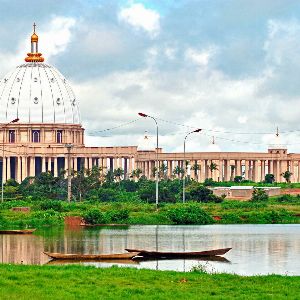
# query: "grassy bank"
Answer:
x=76 y=282
x=276 y=210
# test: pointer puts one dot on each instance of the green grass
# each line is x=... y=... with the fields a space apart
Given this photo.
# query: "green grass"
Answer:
x=78 y=282
x=284 y=210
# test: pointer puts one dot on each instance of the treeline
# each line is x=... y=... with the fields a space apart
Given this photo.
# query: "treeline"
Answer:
x=110 y=187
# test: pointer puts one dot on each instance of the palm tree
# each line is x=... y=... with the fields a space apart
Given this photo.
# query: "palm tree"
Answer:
x=118 y=173
x=136 y=173
x=287 y=176
x=178 y=171
x=212 y=167
x=196 y=168
x=163 y=171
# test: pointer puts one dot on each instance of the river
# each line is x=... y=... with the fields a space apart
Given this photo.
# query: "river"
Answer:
x=256 y=249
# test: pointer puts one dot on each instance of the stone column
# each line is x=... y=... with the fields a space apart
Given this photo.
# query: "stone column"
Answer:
x=221 y=167
x=8 y=168
x=104 y=164
x=278 y=171
x=55 y=167
x=4 y=169
x=75 y=164
x=32 y=166
x=255 y=171
x=86 y=163
x=262 y=170
x=246 y=169
x=19 y=169
x=24 y=167
x=43 y=164
x=49 y=164
x=146 y=169
x=271 y=167
x=169 y=165
x=239 y=170
x=129 y=166
x=90 y=162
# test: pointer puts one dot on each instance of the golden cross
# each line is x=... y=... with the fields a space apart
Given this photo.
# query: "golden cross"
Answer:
x=34 y=25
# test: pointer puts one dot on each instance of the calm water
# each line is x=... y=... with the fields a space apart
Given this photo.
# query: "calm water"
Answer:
x=257 y=249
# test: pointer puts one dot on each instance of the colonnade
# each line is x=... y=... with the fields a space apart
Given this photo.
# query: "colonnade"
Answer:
x=224 y=169
x=20 y=167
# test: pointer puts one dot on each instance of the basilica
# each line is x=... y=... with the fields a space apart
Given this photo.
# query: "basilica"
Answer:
x=41 y=131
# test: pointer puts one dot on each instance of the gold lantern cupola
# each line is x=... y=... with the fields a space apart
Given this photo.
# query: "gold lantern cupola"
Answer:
x=34 y=55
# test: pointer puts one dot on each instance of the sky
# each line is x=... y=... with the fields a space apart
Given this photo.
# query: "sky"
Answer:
x=229 y=67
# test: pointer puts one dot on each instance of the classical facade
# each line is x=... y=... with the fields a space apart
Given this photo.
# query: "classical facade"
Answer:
x=39 y=115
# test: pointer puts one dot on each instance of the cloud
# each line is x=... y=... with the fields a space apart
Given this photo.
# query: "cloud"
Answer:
x=200 y=58
x=57 y=36
x=141 y=18
x=54 y=38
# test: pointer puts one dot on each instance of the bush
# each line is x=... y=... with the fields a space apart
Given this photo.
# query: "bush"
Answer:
x=52 y=204
x=209 y=182
x=94 y=216
x=238 y=179
x=118 y=215
x=269 y=178
x=107 y=195
x=288 y=198
x=259 y=195
x=189 y=214
x=199 y=193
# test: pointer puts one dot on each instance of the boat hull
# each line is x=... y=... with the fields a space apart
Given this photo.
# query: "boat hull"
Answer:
x=157 y=254
x=25 y=231
x=82 y=257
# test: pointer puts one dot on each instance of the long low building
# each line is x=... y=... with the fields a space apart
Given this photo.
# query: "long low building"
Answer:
x=39 y=116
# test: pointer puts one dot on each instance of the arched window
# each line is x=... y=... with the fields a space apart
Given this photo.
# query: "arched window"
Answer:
x=12 y=136
x=35 y=136
x=59 y=136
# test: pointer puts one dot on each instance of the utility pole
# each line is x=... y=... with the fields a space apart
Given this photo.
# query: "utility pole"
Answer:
x=69 y=147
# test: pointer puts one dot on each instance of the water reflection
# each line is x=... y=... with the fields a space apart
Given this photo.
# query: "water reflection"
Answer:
x=256 y=248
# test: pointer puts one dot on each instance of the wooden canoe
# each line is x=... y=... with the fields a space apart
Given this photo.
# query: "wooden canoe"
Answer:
x=24 y=231
x=81 y=257
x=157 y=254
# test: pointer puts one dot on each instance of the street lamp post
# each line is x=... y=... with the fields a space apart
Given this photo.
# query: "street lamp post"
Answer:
x=69 y=147
x=185 y=167
x=3 y=158
x=156 y=162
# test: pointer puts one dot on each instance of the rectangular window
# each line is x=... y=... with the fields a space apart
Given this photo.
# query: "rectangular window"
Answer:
x=35 y=136
x=59 y=136
x=12 y=136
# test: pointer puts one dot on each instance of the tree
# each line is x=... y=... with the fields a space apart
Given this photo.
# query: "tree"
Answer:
x=136 y=173
x=212 y=167
x=287 y=176
x=269 y=178
x=238 y=179
x=118 y=174
x=178 y=171
x=163 y=171
x=259 y=195
x=196 y=168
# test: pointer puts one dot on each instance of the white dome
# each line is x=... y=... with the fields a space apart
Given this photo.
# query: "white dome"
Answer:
x=37 y=93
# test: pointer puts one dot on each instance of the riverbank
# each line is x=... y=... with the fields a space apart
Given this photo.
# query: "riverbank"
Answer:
x=78 y=282
x=278 y=210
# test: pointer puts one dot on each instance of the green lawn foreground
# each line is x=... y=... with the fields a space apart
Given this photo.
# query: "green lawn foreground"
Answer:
x=79 y=282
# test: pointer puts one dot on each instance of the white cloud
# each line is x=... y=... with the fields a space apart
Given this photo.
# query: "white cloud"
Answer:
x=141 y=18
x=52 y=41
x=242 y=119
x=200 y=58
x=56 y=38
